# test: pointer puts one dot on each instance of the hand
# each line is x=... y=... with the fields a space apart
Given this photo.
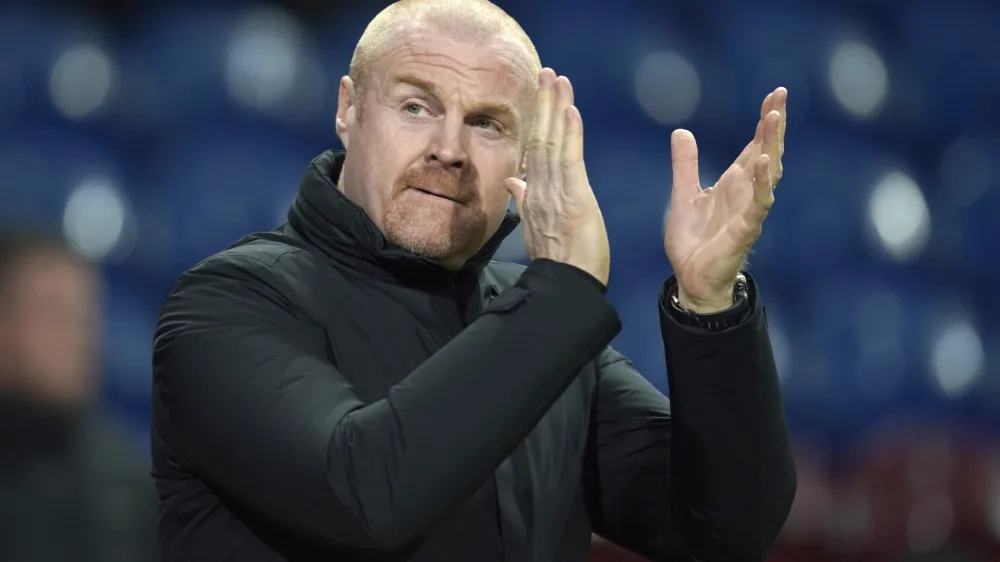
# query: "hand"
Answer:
x=709 y=232
x=561 y=219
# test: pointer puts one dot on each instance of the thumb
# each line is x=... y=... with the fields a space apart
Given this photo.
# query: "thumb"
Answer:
x=684 y=159
x=516 y=188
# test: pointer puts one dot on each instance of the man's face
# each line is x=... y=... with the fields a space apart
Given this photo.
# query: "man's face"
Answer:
x=441 y=127
x=48 y=327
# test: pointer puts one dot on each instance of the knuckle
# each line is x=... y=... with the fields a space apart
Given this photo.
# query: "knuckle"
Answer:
x=568 y=162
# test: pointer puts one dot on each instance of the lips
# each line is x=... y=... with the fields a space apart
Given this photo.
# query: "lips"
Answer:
x=435 y=193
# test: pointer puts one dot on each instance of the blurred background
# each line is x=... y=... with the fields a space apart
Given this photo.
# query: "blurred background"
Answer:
x=152 y=134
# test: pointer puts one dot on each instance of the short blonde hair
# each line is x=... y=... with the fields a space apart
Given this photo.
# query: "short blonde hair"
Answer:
x=466 y=19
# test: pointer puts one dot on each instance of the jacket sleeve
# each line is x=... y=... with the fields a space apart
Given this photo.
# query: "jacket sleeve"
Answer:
x=708 y=475
x=242 y=377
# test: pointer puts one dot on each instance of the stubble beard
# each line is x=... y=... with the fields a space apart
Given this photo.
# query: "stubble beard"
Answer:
x=434 y=229
x=428 y=232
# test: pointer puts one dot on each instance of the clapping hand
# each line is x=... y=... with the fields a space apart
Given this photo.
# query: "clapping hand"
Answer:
x=561 y=219
x=709 y=232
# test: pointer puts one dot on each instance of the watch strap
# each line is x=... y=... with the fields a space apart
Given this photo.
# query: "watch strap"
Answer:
x=716 y=321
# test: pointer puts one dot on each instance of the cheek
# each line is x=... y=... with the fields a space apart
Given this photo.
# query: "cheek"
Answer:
x=393 y=147
x=377 y=161
x=394 y=134
x=496 y=165
x=496 y=200
x=498 y=195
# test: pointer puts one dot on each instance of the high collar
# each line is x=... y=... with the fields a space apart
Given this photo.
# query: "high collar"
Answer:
x=325 y=218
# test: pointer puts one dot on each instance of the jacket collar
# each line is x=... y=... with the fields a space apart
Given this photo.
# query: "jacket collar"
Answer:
x=325 y=218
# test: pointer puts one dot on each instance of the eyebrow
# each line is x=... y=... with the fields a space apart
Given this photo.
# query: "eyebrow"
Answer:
x=498 y=109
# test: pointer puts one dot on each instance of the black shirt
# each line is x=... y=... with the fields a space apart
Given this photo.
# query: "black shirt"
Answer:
x=323 y=395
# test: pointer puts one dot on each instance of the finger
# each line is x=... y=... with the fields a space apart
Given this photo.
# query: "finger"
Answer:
x=568 y=91
x=758 y=136
x=771 y=124
x=574 y=169
x=535 y=151
x=781 y=106
x=557 y=129
x=767 y=105
x=516 y=188
x=763 y=192
x=772 y=146
x=684 y=159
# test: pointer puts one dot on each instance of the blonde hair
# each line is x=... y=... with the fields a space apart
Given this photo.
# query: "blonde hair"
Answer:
x=464 y=19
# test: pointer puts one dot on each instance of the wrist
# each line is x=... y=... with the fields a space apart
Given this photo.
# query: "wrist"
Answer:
x=710 y=305
x=711 y=321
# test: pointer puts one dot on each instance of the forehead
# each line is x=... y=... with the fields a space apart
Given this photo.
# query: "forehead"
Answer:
x=481 y=68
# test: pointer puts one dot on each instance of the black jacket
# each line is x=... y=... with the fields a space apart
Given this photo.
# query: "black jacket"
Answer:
x=72 y=487
x=322 y=395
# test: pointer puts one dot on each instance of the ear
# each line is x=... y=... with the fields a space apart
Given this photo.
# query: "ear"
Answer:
x=347 y=109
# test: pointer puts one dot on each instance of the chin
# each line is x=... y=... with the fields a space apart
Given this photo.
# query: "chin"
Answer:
x=436 y=246
x=431 y=231
x=437 y=240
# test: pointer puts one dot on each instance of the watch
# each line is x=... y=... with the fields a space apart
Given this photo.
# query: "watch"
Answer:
x=716 y=321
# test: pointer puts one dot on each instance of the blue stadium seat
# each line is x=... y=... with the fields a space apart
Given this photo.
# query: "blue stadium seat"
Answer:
x=631 y=178
x=30 y=42
x=41 y=164
x=957 y=56
x=759 y=47
x=980 y=236
x=340 y=35
x=857 y=349
x=129 y=319
x=208 y=187
x=635 y=297
x=819 y=219
x=22 y=68
x=174 y=67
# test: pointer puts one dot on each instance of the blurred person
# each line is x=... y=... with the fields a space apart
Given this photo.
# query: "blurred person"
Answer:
x=365 y=383
x=71 y=487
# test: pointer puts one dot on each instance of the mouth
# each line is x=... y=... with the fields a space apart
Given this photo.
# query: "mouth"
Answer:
x=435 y=194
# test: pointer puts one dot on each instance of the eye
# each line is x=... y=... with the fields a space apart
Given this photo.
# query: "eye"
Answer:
x=413 y=108
x=484 y=123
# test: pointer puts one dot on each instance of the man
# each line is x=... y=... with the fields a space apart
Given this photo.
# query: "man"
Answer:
x=71 y=486
x=363 y=383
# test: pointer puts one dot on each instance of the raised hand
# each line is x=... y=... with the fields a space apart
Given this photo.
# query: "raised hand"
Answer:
x=559 y=213
x=710 y=231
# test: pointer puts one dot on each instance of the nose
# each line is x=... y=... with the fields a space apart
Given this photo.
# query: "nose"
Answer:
x=447 y=149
